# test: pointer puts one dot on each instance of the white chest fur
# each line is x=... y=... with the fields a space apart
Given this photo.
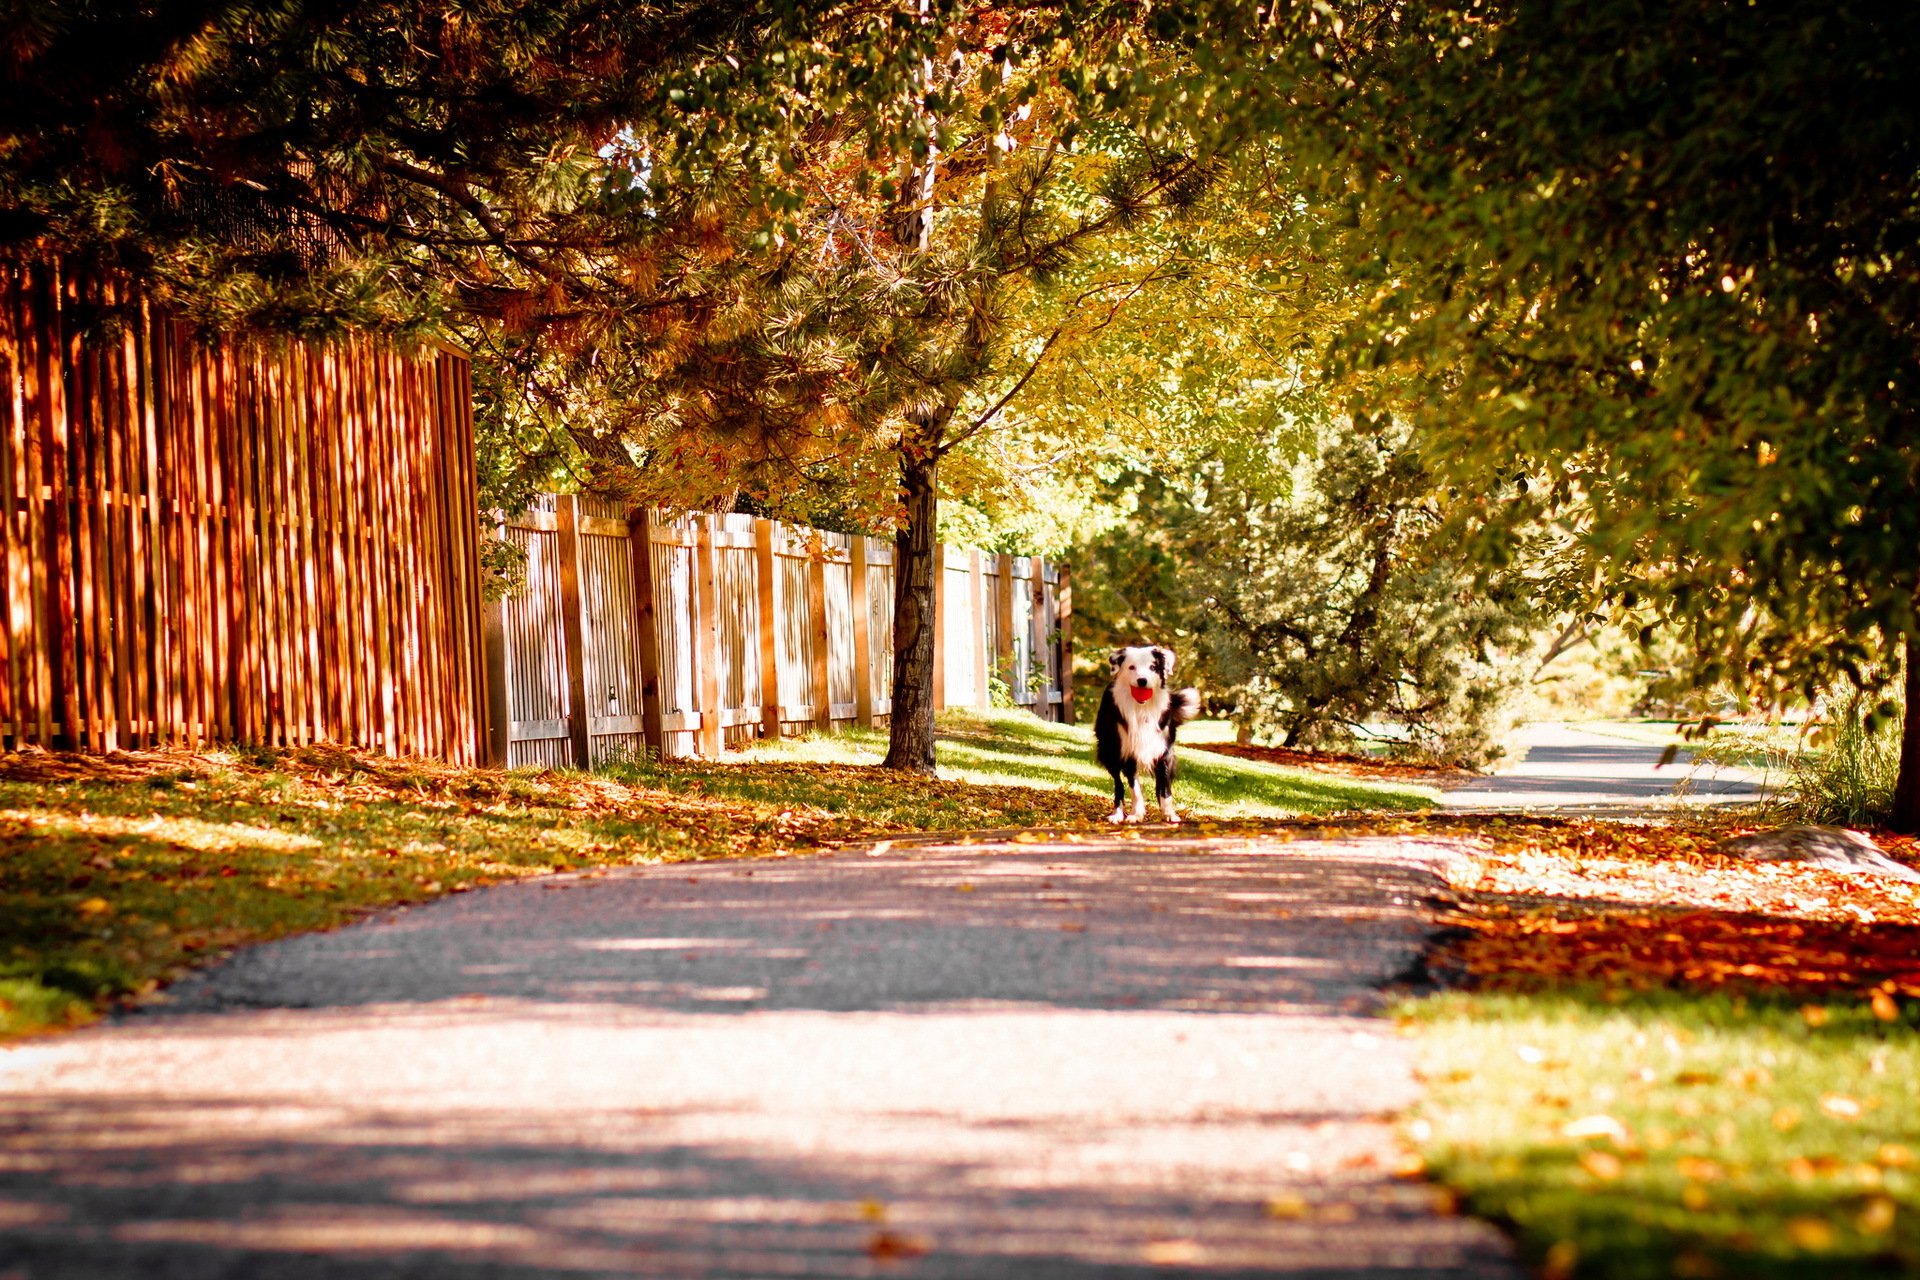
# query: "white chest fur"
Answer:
x=1140 y=732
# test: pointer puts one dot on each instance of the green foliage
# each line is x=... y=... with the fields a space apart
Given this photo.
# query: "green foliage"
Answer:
x=1320 y=597
x=1647 y=268
x=1844 y=776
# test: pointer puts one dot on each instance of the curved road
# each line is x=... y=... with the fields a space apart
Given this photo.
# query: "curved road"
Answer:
x=1017 y=1059
x=1570 y=770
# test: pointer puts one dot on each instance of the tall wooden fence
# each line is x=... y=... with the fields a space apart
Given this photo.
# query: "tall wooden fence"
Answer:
x=222 y=541
x=636 y=629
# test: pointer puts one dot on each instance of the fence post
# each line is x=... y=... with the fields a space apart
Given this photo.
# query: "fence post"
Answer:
x=817 y=625
x=1003 y=625
x=706 y=638
x=862 y=636
x=646 y=630
x=1064 y=594
x=573 y=626
x=939 y=624
x=977 y=588
x=1037 y=642
x=764 y=570
x=498 y=711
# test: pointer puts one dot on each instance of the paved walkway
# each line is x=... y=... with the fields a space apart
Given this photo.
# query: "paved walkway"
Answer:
x=1569 y=770
x=1023 y=1060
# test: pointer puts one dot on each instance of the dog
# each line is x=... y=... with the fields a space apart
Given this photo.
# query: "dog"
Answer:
x=1134 y=731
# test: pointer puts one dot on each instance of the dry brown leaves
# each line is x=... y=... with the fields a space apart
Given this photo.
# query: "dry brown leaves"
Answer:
x=1641 y=906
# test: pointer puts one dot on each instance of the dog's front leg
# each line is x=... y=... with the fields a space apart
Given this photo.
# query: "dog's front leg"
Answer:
x=1139 y=797
x=1163 y=788
x=1119 y=813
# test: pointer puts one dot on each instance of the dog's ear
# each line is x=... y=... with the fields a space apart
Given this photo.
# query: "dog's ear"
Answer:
x=1163 y=658
x=1115 y=658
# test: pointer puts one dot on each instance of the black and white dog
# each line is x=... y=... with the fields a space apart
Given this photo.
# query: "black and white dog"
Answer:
x=1133 y=734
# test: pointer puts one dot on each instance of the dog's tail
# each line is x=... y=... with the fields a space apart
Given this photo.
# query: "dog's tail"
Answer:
x=1183 y=705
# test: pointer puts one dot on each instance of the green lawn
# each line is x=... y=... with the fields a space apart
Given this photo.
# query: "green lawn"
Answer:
x=1644 y=1136
x=1012 y=748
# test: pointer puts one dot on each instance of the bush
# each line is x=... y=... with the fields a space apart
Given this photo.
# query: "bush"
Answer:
x=1847 y=779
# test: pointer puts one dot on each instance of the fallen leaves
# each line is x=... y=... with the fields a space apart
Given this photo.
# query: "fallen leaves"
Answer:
x=1637 y=907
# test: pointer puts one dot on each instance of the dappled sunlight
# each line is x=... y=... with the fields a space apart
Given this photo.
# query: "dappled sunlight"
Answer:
x=1033 y=1060
x=180 y=831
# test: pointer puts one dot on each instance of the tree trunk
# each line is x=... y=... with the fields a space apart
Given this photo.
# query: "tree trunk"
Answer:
x=1906 y=790
x=910 y=726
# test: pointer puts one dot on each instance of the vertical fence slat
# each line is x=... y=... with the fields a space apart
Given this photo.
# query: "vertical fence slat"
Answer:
x=766 y=572
x=572 y=633
x=647 y=629
x=862 y=635
x=10 y=422
x=1065 y=598
x=822 y=693
x=707 y=638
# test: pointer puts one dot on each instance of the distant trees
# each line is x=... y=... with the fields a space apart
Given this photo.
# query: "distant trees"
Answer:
x=1645 y=271
x=1320 y=598
x=1648 y=270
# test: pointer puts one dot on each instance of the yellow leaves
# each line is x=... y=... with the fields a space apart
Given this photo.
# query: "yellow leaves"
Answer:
x=1884 y=1006
x=894 y=1246
x=1171 y=1253
x=1603 y=1165
x=1815 y=1015
x=1598 y=1126
x=1699 y=1169
x=1840 y=1106
x=1562 y=1259
x=1877 y=1216
x=1287 y=1205
x=1815 y=1235
x=91 y=907
x=1893 y=1155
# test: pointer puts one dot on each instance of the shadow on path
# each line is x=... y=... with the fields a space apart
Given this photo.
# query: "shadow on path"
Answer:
x=1022 y=1060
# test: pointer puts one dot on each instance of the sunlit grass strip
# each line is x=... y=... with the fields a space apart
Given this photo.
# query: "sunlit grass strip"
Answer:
x=1012 y=748
x=1655 y=1135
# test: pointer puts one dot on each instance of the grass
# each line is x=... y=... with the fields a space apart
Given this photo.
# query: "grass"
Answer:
x=1012 y=748
x=1629 y=1136
x=119 y=873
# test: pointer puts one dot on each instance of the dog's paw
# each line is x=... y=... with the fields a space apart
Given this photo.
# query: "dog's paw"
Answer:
x=1171 y=818
x=1117 y=816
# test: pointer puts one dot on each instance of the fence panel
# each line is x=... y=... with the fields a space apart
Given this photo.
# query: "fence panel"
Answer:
x=880 y=587
x=671 y=547
x=738 y=575
x=613 y=679
x=802 y=631
x=959 y=628
x=207 y=540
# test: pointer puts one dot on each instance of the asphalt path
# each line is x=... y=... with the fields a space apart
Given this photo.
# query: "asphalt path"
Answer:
x=1569 y=770
x=1006 y=1059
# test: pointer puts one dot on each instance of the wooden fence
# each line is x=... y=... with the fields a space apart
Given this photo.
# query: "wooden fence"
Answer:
x=204 y=542
x=636 y=629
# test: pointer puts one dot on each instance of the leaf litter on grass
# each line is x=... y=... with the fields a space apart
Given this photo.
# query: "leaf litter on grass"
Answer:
x=1669 y=1061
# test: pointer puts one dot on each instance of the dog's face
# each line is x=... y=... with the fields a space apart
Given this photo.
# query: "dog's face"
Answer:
x=1142 y=667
